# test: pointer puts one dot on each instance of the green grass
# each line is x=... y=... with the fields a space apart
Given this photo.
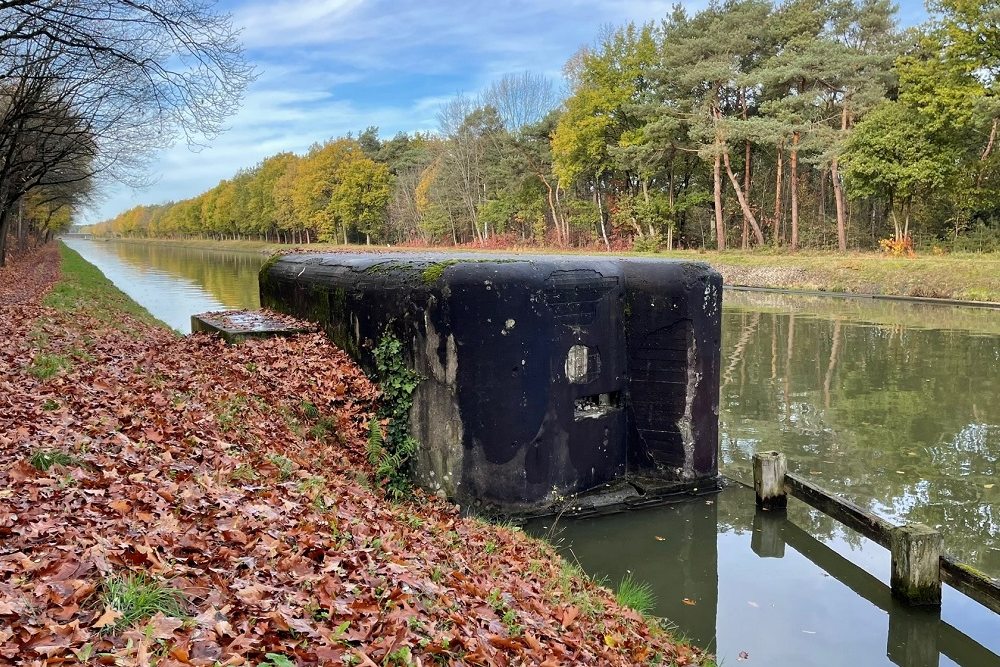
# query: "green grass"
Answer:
x=45 y=365
x=965 y=276
x=635 y=594
x=43 y=459
x=230 y=412
x=244 y=473
x=83 y=287
x=284 y=465
x=138 y=597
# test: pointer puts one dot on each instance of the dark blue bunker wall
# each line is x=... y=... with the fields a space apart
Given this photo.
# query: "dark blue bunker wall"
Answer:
x=543 y=376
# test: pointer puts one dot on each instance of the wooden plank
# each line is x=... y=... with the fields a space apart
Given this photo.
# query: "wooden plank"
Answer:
x=871 y=526
x=976 y=585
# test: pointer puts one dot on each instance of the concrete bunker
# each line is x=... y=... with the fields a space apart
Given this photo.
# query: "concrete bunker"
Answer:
x=543 y=376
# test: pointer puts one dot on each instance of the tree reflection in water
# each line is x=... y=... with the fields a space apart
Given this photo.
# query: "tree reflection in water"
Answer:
x=894 y=405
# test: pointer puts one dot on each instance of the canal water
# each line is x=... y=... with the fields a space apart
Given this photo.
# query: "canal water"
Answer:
x=173 y=282
x=894 y=405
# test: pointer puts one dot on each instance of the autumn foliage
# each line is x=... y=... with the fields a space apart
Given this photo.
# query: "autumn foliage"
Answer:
x=233 y=480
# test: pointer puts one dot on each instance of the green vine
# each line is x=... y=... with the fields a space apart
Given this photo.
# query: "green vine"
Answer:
x=390 y=454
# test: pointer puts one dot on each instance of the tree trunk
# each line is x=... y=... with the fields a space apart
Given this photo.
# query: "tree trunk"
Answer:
x=793 y=179
x=562 y=216
x=745 y=240
x=670 y=188
x=600 y=211
x=645 y=196
x=744 y=205
x=986 y=151
x=992 y=140
x=747 y=156
x=552 y=209
x=838 y=191
x=4 y=228
x=720 y=229
x=777 y=195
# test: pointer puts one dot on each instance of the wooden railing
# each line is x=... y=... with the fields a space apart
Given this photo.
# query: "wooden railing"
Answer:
x=919 y=565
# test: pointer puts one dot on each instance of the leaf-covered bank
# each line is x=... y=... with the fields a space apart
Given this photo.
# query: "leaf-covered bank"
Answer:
x=175 y=501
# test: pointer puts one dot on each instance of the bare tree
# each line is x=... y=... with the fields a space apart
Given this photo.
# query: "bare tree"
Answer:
x=521 y=99
x=467 y=128
x=91 y=87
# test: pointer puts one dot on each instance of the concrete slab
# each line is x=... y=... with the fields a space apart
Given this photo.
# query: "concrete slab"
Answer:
x=235 y=326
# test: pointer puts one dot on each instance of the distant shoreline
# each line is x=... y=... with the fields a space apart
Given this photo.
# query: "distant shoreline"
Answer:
x=953 y=279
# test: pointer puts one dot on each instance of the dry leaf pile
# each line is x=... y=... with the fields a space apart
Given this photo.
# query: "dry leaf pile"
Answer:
x=237 y=476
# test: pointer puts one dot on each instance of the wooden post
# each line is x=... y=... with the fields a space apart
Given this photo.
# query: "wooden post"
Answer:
x=916 y=568
x=769 y=480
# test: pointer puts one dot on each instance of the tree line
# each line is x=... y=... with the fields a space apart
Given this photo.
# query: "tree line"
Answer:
x=810 y=123
x=89 y=89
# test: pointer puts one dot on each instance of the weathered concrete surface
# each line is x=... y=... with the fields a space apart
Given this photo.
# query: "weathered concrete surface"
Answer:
x=544 y=376
x=236 y=326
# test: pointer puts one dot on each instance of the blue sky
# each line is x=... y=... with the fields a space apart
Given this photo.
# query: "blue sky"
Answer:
x=329 y=67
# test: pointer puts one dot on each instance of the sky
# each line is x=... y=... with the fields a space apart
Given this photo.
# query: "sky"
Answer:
x=329 y=67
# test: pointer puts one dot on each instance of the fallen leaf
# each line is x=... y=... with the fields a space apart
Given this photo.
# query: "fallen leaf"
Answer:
x=162 y=627
x=120 y=506
x=108 y=618
x=569 y=616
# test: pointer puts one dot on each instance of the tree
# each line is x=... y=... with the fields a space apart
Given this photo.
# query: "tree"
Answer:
x=263 y=198
x=361 y=195
x=710 y=60
x=793 y=78
x=610 y=84
x=952 y=76
x=112 y=79
x=470 y=136
x=862 y=47
x=521 y=99
x=891 y=152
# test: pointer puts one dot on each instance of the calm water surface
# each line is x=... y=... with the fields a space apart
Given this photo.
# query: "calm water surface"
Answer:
x=174 y=283
x=893 y=405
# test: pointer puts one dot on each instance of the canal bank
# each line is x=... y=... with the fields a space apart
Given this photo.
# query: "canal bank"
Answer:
x=971 y=277
x=890 y=404
x=180 y=499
